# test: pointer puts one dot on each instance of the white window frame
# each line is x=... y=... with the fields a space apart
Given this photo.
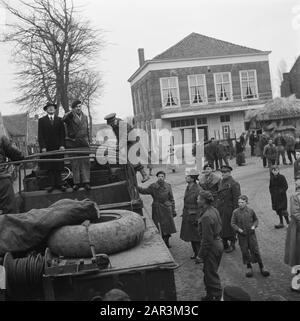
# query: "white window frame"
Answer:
x=255 y=73
x=216 y=93
x=161 y=92
x=135 y=98
x=139 y=100
x=205 y=89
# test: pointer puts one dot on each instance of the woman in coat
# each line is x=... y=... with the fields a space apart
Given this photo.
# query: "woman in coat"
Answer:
x=163 y=206
x=189 y=226
x=278 y=187
x=292 y=243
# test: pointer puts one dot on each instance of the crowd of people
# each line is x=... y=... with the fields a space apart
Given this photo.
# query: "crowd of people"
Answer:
x=216 y=215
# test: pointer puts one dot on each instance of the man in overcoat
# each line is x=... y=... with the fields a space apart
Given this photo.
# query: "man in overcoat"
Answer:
x=51 y=137
x=78 y=136
x=189 y=226
x=163 y=206
x=278 y=188
x=7 y=195
x=292 y=243
x=227 y=201
x=210 y=180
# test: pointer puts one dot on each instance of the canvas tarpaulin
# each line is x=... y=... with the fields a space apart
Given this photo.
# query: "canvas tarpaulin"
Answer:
x=25 y=231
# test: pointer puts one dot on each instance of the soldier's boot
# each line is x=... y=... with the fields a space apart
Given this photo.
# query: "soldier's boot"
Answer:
x=144 y=175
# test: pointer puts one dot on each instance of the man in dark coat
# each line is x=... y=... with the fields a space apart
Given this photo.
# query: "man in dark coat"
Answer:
x=292 y=243
x=7 y=195
x=189 y=225
x=263 y=141
x=222 y=154
x=290 y=147
x=78 y=136
x=252 y=142
x=280 y=144
x=270 y=153
x=227 y=201
x=211 y=248
x=163 y=206
x=51 y=136
x=278 y=187
x=114 y=122
x=240 y=156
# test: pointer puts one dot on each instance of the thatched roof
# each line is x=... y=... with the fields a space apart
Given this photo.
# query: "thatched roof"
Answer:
x=16 y=125
x=278 y=108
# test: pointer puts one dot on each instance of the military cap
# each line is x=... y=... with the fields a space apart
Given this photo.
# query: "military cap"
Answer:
x=75 y=103
x=110 y=117
x=225 y=168
x=234 y=293
x=160 y=172
x=48 y=105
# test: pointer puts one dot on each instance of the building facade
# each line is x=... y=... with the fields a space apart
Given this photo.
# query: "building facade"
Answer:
x=291 y=81
x=200 y=83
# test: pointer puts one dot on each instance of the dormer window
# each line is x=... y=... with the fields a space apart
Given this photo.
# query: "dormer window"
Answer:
x=169 y=92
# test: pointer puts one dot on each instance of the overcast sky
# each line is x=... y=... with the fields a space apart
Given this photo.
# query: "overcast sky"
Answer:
x=155 y=25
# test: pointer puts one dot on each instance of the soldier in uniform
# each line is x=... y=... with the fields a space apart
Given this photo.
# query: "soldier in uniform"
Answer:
x=189 y=225
x=7 y=195
x=211 y=249
x=227 y=201
x=163 y=206
x=113 y=121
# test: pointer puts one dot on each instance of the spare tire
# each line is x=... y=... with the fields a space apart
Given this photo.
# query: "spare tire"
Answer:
x=115 y=231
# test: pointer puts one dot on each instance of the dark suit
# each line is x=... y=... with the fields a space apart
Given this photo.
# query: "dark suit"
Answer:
x=52 y=137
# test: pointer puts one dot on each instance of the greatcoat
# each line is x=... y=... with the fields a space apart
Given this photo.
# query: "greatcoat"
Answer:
x=163 y=206
x=227 y=201
x=278 y=187
x=189 y=226
x=292 y=243
x=51 y=137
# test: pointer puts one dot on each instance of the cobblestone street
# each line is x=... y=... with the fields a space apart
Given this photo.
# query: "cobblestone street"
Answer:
x=254 y=181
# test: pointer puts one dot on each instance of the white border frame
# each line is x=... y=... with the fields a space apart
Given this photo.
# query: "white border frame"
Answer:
x=240 y=74
x=222 y=101
x=161 y=93
x=206 y=101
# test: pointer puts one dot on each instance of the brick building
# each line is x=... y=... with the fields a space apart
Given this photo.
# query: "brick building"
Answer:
x=291 y=81
x=200 y=82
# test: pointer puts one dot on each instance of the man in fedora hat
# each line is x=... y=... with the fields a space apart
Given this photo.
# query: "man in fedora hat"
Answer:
x=78 y=136
x=114 y=122
x=227 y=201
x=51 y=137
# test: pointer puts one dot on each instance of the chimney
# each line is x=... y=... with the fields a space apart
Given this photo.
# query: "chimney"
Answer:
x=141 y=56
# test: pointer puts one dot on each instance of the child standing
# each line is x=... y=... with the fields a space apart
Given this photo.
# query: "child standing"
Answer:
x=244 y=221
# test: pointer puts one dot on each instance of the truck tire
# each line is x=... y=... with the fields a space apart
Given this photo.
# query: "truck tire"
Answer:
x=115 y=231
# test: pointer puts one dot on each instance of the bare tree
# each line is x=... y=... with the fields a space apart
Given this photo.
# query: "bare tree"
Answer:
x=52 y=46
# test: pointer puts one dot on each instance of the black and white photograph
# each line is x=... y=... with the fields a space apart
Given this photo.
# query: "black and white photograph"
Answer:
x=149 y=151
